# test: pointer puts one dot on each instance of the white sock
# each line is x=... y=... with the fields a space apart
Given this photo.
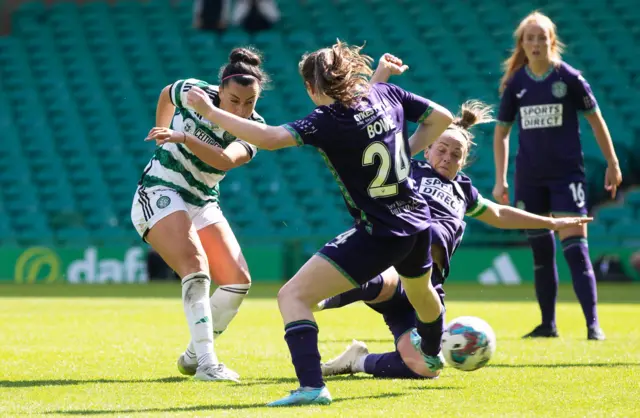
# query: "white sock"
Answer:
x=195 y=291
x=358 y=366
x=225 y=303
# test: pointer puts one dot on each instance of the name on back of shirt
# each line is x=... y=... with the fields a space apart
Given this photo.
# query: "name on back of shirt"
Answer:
x=381 y=126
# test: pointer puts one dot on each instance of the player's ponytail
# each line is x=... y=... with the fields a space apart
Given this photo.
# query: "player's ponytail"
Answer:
x=472 y=112
x=339 y=72
x=244 y=67
x=518 y=58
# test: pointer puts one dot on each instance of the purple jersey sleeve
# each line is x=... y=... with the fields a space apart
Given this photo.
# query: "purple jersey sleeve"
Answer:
x=306 y=130
x=580 y=92
x=416 y=108
x=475 y=204
x=508 y=105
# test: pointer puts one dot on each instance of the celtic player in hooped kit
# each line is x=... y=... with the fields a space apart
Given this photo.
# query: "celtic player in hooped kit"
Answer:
x=358 y=129
x=546 y=95
x=451 y=196
x=176 y=206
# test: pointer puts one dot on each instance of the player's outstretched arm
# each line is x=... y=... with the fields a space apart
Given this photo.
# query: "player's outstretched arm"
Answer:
x=261 y=135
x=507 y=217
x=430 y=129
x=222 y=159
x=613 y=175
x=165 y=109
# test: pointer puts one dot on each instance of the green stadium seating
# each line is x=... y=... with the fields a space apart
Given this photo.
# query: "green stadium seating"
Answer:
x=614 y=214
x=79 y=84
x=632 y=199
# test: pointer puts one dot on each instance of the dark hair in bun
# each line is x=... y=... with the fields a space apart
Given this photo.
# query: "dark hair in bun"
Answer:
x=244 y=67
x=245 y=55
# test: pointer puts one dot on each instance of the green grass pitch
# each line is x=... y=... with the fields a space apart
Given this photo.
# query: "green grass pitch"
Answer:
x=111 y=351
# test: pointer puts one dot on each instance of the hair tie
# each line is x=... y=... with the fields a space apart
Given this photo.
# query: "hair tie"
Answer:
x=236 y=75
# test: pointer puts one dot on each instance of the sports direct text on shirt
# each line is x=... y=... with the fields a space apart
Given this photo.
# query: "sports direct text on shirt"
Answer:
x=541 y=116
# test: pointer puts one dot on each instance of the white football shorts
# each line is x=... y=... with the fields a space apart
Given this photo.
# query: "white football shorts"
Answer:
x=152 y=204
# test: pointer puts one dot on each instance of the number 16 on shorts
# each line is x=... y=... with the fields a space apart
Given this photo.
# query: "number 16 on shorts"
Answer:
x=579 y=196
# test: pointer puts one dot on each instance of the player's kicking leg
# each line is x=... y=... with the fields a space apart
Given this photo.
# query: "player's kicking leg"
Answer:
x=170 y=231
x=406 y=362
x=228 y=270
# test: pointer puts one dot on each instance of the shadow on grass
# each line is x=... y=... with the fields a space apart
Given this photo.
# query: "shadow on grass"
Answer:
x=346 y=378
x=200 y=408
x=173 y=379
x=72 y=382
x=294 y=381
x=563 y=365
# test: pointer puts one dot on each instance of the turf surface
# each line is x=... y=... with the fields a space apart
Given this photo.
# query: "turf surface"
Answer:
x=111 y=350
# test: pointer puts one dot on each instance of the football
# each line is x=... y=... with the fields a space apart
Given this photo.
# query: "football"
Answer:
x=468 y=343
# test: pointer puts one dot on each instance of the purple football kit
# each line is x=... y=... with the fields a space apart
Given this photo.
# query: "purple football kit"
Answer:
x=449 y=202
x=368 y=155
x=550 y=178
x=549 y=173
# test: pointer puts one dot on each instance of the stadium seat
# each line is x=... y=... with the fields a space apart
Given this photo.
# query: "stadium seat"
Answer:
x=7 y=235
x=88 y=76
x=627 y=232
x=611 y=215
x=632 y=199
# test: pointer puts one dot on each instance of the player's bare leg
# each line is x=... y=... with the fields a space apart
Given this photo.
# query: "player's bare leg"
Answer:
x=230 y=272
x=295 y=300
x=176 y=240
x=406 y=362
x=429 y=312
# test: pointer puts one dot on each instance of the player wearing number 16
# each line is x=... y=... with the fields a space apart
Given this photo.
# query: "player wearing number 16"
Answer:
x=548 y=96
x=357 y=128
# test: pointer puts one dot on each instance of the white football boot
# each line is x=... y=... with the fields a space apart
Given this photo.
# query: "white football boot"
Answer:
x=345 y=362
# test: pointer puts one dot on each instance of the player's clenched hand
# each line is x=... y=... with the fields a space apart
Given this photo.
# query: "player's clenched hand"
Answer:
x=199 y=100
x=612 y=179
x=568 y=222
x=392 y=64
x=165 y=135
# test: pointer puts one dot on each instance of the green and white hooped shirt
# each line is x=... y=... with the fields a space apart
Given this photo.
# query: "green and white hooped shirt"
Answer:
x=174 y=166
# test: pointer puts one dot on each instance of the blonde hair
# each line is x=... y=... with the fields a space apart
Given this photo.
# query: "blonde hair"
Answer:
x=472 y=112
x=518 y=59
x=339 y=72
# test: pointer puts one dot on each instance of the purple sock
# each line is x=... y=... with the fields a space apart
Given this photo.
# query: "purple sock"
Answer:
x=388 y=365
x=302 y=339
x=431 y=334
x=576 y=251
x=368 y=291
x=543 y=245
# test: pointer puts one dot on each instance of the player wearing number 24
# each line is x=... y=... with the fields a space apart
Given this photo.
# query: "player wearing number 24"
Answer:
x=547 y=94
x=357 y=128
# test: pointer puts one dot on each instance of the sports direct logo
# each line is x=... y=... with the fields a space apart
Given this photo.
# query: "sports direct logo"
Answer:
x=541 y=116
